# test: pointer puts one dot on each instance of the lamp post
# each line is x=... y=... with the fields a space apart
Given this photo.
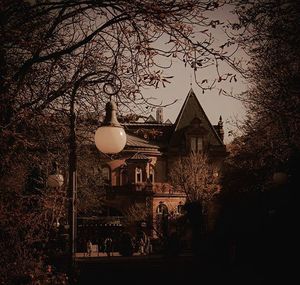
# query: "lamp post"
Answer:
x=110 y=138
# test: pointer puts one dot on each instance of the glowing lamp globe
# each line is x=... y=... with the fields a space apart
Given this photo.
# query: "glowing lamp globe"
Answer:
x=55 y=180
x=110 y=138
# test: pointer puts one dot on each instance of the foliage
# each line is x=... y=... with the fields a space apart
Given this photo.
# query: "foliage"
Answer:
x=52 y=46
x=252 y=204
x=25 y=227
x=194 y=176
x=270 y=140
x=136 y=213
x=91 y=192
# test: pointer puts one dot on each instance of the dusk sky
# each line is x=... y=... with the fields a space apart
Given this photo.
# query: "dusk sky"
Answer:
x=213 y=104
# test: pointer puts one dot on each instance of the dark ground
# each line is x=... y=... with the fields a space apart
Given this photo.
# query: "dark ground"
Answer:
x=160 y=270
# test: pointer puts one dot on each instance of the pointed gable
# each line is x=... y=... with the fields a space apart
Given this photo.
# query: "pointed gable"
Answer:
x=150 y=119
x=190 y=112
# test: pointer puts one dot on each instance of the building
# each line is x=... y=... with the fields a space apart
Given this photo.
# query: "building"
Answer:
x=139 y=174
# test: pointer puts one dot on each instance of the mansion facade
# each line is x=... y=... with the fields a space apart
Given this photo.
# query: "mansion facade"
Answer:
x=139 y=175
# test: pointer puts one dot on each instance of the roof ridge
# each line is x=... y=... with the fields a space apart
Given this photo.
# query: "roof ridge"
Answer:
x=191 y=92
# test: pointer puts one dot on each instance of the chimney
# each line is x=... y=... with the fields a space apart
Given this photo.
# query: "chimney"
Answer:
x=159 y=115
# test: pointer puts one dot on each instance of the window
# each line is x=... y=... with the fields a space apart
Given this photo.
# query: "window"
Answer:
x=180 y=208
x=151 y=175
x=196 y=144
x=106 y=174
x=123 y=176
x=162 y=209
x=138 y=175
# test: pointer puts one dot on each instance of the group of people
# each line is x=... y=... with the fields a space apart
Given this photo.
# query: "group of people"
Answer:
x=107 y=247
x=141 y=242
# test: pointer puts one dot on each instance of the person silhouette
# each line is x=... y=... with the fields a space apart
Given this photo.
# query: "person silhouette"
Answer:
x=108 y=243
x=89 y=247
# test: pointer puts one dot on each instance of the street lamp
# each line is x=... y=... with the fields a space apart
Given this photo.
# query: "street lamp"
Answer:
x=110 y=138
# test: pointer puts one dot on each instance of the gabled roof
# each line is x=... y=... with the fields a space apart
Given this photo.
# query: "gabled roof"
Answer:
x=136 y=144
x=190 y=110
x=138 y=156
x=150 y=119
x=134 y=141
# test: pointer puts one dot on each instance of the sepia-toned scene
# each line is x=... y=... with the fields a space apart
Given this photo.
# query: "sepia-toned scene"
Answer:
x=149 y=142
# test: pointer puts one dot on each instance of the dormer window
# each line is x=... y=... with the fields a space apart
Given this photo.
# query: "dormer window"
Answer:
x=196 y=144
x=138 y=175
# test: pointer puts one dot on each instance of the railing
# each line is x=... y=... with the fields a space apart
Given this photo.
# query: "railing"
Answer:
x=101 y=221
x=156 y=187
x=163 y=188
x=138 y=187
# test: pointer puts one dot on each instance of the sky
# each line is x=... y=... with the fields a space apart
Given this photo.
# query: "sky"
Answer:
x=214 y=105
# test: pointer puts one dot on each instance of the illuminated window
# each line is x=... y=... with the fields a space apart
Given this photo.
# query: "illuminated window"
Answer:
x=138 y=175
x=196 y=144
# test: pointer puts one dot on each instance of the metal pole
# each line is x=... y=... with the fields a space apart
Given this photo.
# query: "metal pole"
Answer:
x=72 y=187
x=74 y=216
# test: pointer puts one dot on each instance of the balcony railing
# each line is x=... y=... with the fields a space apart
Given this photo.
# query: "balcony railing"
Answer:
x=101 y=221
x=157 y=187
x=163 y=188
x=138 y=187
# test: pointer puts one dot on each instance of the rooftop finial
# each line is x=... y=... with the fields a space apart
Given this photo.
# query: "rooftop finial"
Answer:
x=220 y=129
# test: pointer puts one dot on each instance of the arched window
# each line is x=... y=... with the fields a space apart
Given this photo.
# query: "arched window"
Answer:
x=162 y=209
x=138 y=175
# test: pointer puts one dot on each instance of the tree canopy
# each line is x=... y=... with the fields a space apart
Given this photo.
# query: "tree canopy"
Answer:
x=269 y=141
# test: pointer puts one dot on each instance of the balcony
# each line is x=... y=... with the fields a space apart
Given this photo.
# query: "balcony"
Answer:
x=143 y=188
x=131 y=188
x=165 y=188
